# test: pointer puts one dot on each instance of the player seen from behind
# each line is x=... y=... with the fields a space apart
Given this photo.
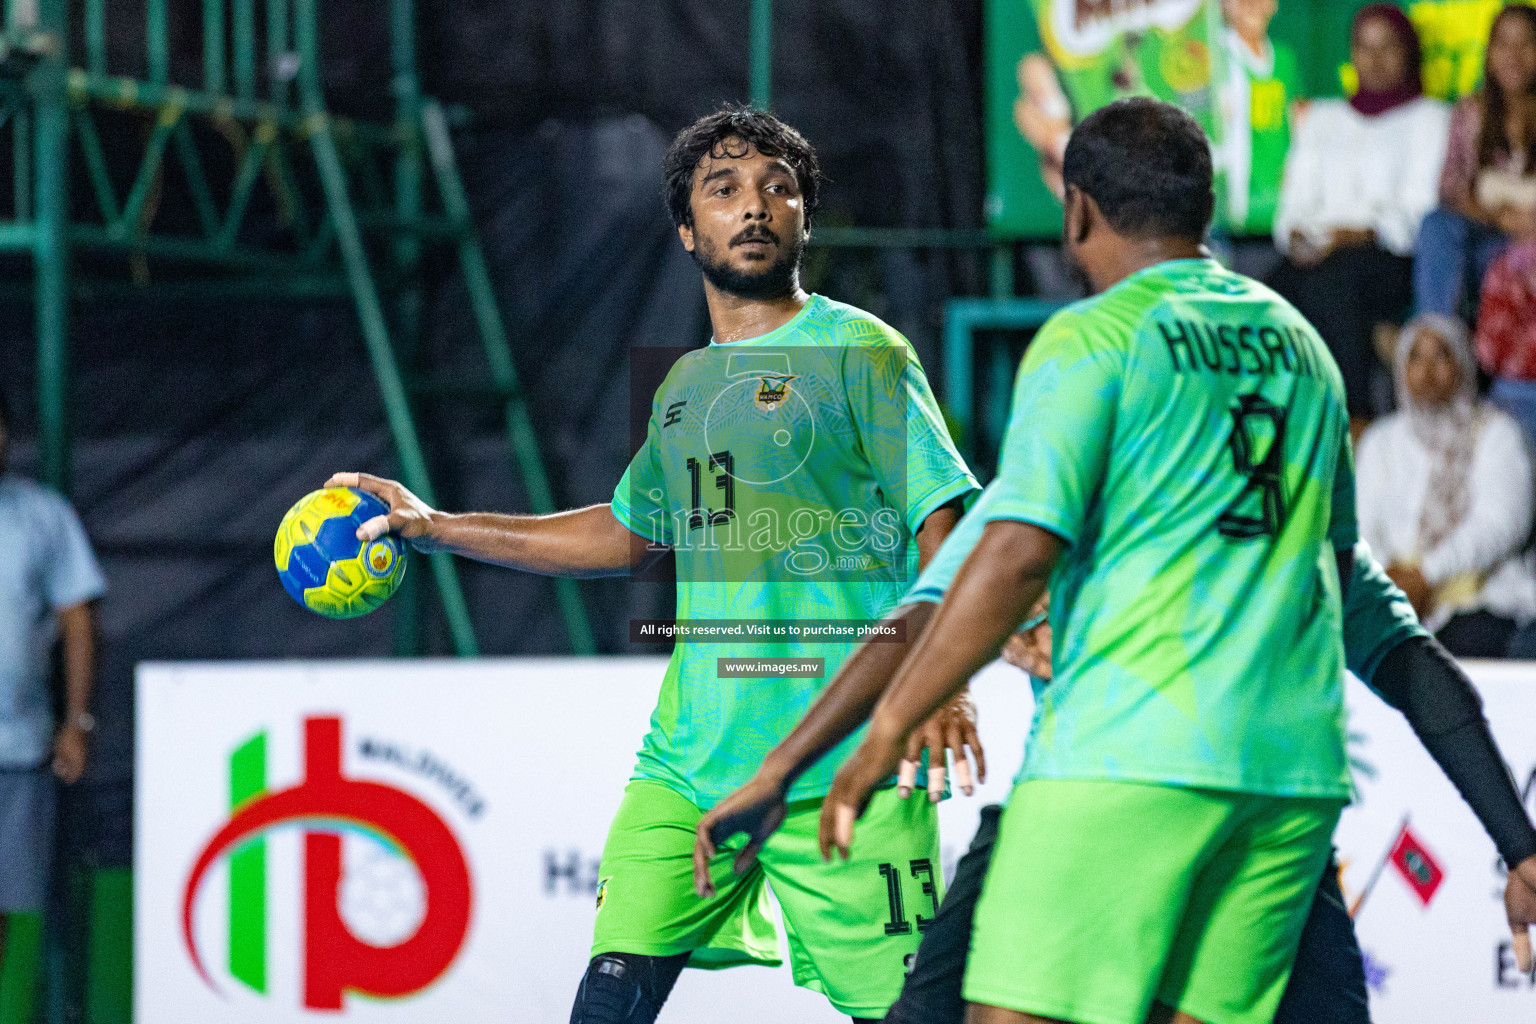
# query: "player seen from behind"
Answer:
x=1384 y=646
x=1177 y=467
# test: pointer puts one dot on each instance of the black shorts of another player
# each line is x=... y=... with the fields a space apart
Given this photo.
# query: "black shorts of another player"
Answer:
x=1327 y=983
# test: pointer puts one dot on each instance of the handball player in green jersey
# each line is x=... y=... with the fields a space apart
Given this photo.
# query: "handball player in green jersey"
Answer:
x=1177 y=469
x=1384 y=645
x=800 y=472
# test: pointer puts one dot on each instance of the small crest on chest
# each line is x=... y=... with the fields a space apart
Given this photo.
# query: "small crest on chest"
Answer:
x=772 y=390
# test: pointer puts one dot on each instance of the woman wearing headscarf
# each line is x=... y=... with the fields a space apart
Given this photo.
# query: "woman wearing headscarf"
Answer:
x=1443 y=488
x=1488 y=184
x=1360 y=178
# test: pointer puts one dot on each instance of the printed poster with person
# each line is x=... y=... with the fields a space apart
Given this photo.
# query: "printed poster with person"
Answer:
x=1243 y=68
x=1259 y=85
x=1052 y=62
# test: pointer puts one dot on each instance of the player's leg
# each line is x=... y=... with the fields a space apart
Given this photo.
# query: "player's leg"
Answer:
x=650 y=922
x=625 y=988
x=931 y=993
x=1168 y=1015
x=979 y=1014
x=1326 y=984
x=997 y=1015
x=854 y=926
x=1328 y=981
x=1237 y=942
x=1085 y=897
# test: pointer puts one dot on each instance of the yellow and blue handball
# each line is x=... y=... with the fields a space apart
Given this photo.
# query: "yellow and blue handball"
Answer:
x=324 y=566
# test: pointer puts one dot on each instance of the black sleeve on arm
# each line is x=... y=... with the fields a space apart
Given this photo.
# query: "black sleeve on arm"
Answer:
x=1421 y=679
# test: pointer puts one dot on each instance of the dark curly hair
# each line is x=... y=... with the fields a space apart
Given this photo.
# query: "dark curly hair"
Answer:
x=757 y=129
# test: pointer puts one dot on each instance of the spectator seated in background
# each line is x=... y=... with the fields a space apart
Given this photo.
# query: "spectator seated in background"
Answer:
x=1360 y=178
x=1488 y=186
x=1444 y=495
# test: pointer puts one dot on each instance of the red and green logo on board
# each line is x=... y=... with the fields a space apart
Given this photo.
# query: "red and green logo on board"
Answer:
x=325 y=805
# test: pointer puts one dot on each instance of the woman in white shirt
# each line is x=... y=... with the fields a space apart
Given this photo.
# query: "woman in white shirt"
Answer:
x=1359 y=179
x=1444 y=495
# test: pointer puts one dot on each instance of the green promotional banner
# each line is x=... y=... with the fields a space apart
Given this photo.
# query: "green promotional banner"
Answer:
x=1051 y=62
x=1243 y=68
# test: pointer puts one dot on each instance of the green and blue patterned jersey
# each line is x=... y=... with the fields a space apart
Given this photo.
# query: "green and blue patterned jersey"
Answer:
x=1184 y=433
x=789 y=474
x=1377 y=615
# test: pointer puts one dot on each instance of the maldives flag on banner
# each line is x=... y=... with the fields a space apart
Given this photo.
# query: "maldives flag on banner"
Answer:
x=1417 y=866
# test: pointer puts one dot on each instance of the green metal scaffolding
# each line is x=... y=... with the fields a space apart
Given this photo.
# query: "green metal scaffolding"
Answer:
x=379 y=193
x=376 y=193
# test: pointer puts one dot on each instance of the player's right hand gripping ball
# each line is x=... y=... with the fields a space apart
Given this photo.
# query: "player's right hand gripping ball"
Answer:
x=324 y=566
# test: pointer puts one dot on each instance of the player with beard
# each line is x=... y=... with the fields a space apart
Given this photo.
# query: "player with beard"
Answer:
x=799 y=469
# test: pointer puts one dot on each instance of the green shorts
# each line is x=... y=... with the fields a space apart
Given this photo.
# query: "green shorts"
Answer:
x=853 y=927
x=1106 y=896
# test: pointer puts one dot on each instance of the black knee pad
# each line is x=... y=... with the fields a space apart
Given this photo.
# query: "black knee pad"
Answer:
x=616 y=990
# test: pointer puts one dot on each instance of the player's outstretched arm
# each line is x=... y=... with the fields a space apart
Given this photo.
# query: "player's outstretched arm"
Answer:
x=583 y=542
x=758 y=808
x=1001 y=580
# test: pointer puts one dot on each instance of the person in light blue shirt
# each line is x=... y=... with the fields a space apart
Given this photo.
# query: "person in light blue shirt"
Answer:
x=48 y=580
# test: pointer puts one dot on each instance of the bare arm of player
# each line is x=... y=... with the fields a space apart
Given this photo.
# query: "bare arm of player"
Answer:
x=930 y=536
x=1001 y=580
x=583 y=542
x=758 y=808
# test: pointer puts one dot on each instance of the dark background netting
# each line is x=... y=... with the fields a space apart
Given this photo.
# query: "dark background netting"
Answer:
x=197 y=423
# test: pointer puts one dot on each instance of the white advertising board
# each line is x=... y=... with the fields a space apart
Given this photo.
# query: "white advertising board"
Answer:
x=282 y=809
x=1447 y=959
x=520 y=762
